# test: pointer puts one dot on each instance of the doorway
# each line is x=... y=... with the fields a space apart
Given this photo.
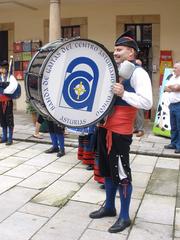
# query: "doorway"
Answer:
x=3 y=45
x=143 y=36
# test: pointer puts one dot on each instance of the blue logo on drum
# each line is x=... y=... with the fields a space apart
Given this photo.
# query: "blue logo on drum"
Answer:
x=80 y=84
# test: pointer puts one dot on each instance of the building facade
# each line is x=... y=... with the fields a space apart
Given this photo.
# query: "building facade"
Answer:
x=155 y=25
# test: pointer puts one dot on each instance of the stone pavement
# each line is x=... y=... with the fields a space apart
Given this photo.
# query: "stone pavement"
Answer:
x=43 y=197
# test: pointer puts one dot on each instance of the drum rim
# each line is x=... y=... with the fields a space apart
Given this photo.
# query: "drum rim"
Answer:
x=44 y=48
x=40 y=77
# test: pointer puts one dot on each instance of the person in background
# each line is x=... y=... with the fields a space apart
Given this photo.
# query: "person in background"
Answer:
x=38 y=123
x=173 y=88
x=115 y=134
x=57 y=137
x=8 y=85
x=139 y=122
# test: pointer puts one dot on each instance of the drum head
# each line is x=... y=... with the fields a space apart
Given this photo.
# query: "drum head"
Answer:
x=77 y=82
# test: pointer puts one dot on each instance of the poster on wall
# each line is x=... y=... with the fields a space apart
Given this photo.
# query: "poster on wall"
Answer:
x=162 y=119
x=165 y=62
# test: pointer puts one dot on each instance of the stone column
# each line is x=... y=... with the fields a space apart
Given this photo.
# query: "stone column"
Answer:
x=54 y=20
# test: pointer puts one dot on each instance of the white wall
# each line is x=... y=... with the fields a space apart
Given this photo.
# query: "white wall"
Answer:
x=101 y=22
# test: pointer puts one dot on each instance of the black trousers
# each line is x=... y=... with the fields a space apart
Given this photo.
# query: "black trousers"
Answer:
x=109 y=164
x=6 y=114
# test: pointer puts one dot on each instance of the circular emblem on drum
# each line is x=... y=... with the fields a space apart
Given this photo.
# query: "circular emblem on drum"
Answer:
x=77 y=83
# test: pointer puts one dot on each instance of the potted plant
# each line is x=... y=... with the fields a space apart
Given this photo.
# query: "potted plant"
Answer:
x=30 y=109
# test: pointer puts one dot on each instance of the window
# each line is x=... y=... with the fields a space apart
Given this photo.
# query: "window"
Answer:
x=142 y=32
x=70 y=31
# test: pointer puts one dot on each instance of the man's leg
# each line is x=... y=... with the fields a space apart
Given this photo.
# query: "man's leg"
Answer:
x=108 y=210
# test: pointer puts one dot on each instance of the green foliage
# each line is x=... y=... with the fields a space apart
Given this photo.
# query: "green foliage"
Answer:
x=30 y=108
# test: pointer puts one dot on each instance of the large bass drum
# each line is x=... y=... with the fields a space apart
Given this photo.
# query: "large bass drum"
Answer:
x=71 y=82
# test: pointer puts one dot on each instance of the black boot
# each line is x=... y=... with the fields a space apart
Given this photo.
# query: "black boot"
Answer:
x=60 y=153
x=52 y=150
x=90 y=167
x=103 y=212
x=119 y=225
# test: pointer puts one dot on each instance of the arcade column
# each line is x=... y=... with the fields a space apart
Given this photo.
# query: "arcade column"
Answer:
x=54 y=20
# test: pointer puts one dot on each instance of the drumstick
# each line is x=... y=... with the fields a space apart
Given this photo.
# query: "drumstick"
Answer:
x=10 y=66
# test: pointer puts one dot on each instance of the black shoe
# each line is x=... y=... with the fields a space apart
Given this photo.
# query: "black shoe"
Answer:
x=177 y=151
x=103 y=212
x=8 y=143
x=169 y=146
x=119 y=225
x=90 y=167
x=102 y=186
x=61 y=153
x=52 y=150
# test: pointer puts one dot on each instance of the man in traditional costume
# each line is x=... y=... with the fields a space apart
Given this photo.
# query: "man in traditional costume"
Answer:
x=8 y=85
x=115 y=135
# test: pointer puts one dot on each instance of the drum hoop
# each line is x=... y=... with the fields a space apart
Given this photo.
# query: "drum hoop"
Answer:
x=47 y=60
x=44 y=48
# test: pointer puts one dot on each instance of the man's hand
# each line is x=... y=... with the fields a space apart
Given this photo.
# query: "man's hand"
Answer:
x=172 y=88
x=118 y=89
x=167 y=89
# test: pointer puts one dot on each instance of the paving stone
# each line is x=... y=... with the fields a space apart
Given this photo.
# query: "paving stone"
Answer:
x=20 y=135
x=39 y=180
x=77 y=175
x=140 y=179
x=4 y=169
x=21 y=226
x=57 y=194
x=143 y=230
x=145 y=159
x=138 y=192
x=39 y=209
x=165 y=174
x=22 y=171
x=162 y=187
x=157 y=209
x=13 y=199
x=177 y=223
x=42 y=160
x=90 y=193
x=12 y=161
x=168 y=163
x=3 y=156
x=67 y=224
x=58 y=167
x=132 y=156
x=178 y=199
x=155 y=212
x=8 y=151
x=97 y=235
x=22 y=145
x=28 y=153
x=7 y=182
x=143 y=164
x=70 y=158
x=80 y=165
x=158 y=139
x=39 y=146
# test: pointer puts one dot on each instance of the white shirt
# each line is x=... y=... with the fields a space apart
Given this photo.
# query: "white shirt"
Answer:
x=12 y=85
x=174 y=97
x=142 y=98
